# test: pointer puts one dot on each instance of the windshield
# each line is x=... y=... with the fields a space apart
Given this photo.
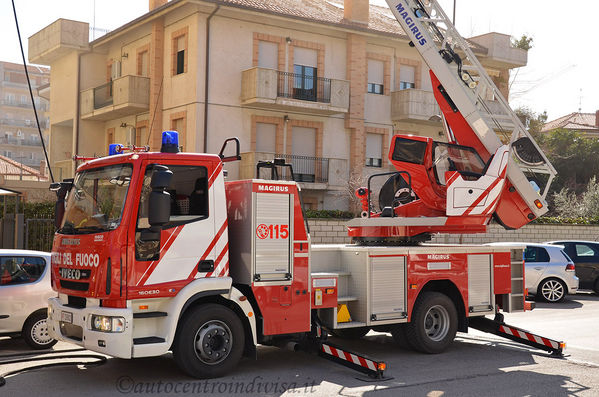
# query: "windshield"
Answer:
x=96 y=201
x=448 y=157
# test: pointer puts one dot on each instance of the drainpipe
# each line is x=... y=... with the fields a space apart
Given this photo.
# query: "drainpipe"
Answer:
x=77 y=111
x=207 y=70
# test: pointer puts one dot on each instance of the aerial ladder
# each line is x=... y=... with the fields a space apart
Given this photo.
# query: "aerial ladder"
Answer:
x=490 y=166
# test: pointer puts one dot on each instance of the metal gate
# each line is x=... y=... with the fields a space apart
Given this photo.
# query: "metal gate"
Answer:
x=39 y=234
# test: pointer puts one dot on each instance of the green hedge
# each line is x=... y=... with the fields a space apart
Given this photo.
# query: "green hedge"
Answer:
x=557 y=220
x=43 y=210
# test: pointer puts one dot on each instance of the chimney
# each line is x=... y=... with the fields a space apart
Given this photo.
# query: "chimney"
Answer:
x=157 y=3
x=597 y=119
x=356 y=11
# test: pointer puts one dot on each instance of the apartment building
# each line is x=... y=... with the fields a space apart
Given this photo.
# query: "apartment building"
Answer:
x=19 y=137
x=322 y=83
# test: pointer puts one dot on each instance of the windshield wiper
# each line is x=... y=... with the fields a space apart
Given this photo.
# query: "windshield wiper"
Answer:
x=87 y=229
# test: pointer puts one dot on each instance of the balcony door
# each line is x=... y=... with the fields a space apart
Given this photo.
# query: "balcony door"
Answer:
x=305 y=74
x=303 y=160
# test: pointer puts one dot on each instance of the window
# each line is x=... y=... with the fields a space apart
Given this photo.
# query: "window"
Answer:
x=303 y=149
x=178 y=125
x=268 y=55
x=584 y=250
x=304 y=82
x=189 y=203
x=266 y=137
x=409 y=151
x=374 y=149
x=23 y=99
x=140 y=136
x=21 y=269
x=450 y=157
x=143 y=66
x=179 y=54
x=536 y=254
x=375 y=77
x=406 y=77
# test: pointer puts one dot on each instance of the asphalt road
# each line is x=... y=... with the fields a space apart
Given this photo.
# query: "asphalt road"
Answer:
x=477 y=364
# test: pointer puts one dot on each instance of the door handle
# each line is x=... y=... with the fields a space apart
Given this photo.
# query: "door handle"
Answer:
x=206 y=266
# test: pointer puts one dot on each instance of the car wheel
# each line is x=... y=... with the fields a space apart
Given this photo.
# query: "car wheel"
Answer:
x=552 y=290
x=596 y=287
x=35 y=332
x=350 y=333
x=209 y=341
x=434 y=323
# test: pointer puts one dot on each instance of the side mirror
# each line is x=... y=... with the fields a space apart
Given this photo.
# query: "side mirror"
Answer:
x=159 y=203
x=61 y=189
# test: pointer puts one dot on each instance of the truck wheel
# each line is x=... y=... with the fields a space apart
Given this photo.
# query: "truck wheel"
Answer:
x=552 y=290
x=351 y=333
x=35 y=331
x=398 y=331
x=209 y=341
x=434 y=323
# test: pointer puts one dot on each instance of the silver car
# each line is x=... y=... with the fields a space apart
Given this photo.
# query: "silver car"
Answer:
x=24 y=292
x=549 y=271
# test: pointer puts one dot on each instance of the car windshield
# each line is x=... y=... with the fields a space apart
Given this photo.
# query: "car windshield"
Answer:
x=96 y=201
x=448 y=157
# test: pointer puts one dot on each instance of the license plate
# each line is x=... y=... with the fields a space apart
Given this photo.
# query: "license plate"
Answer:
x=66 y=317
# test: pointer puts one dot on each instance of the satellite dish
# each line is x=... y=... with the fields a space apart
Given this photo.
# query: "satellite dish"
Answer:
x=527 y=152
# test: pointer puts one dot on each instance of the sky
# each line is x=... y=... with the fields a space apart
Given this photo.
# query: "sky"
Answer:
x=561 y=75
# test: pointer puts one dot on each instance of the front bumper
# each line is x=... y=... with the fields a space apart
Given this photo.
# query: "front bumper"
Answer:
x=78 y=331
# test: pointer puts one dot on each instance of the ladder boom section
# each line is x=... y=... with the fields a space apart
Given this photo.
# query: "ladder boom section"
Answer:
x=476 y=97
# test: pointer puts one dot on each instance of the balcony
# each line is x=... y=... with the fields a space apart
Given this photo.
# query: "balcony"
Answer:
x=124 y=96
x=58 y=39
x=39 y=107
x=275 y=90
x=20 y=142
x=414 y=105
x=500 y=52
x=314 y=173
x=24 y=123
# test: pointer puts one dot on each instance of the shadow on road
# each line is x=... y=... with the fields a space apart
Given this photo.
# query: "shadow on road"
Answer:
x=469 y=367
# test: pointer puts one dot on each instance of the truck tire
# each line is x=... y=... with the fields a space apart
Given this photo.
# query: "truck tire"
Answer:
x=398 y=331
x=209 y=341
x=35 y=331
x=350 y=333
x=434 y=323
x=552 y=290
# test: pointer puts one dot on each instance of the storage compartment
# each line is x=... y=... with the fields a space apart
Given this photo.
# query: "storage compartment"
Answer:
x=387 y=288
x=480 y=283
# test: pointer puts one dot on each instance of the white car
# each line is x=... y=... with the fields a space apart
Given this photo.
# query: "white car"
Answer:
x=24 y=292
x=549 y=271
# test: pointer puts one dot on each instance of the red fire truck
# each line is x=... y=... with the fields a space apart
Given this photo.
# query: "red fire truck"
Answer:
x=155 y=252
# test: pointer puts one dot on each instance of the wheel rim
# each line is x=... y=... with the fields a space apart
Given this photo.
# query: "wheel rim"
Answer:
x=552 y=290
x=39 y=333
x=436 y=323
x=213 y=342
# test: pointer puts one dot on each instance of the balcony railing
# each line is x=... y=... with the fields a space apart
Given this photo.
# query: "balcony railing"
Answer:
x=23 y=123
x=103 y=95
x=272 y=89
x=303 y=87
x=305 y=168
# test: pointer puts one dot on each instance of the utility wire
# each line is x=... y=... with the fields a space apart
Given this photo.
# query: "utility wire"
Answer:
x=39 y=130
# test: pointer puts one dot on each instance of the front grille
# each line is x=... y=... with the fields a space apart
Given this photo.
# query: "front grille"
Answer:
x=76 y=302
x=71 y=331
x=74 y=285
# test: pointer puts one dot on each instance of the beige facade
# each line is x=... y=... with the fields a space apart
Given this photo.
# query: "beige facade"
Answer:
x=287 y=81
x=19 y=137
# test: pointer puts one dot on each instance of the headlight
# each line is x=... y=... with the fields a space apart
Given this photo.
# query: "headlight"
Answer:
x=108 y=324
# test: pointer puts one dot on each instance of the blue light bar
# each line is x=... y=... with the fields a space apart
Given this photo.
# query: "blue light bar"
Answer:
x=170 y=142
x=115 y=148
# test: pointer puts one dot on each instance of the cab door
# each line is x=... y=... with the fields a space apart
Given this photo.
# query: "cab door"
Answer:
x=191 y=244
